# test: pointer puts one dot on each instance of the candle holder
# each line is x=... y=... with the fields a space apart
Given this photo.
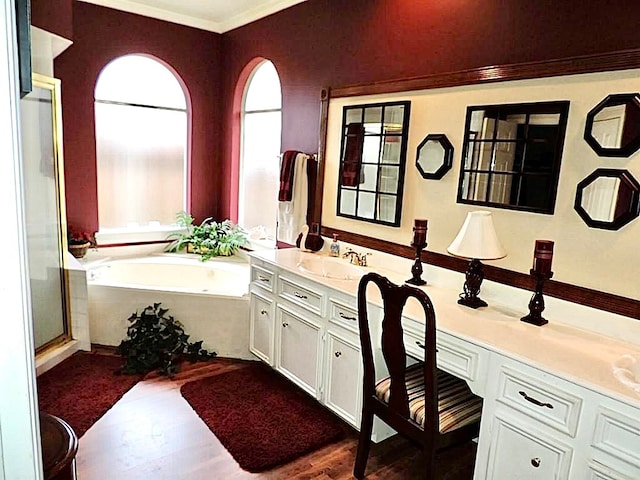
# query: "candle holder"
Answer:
x=416 y=269
x=536 y=304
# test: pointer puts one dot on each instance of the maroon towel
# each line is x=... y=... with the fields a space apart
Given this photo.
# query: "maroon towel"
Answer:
x=286 y=175
x=352 y=160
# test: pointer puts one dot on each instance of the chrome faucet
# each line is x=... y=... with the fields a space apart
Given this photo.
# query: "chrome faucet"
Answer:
x=356 y=258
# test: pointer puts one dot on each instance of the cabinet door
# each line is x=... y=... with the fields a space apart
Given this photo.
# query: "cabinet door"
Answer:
x=298 y=350
x=343 y=380
x=520 y=451
x=261 y=328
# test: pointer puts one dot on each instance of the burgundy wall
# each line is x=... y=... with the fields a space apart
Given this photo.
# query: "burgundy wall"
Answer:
x=102 y=34
x=335 y=43
x=55 y=16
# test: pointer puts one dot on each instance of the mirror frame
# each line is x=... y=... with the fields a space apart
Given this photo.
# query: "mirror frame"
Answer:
x=614 y=99
x=447 y=161
x=626 y=179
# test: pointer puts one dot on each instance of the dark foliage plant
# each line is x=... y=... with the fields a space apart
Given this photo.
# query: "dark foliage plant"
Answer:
x=157 y=341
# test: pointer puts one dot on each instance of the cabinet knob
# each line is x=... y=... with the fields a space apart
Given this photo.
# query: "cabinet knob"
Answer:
x=346 y=317
x=337 y=354
x=535 y=401
x=299 y=295
x=263 y=312
x=285 y=324
x=263 y=279
x=535 y=462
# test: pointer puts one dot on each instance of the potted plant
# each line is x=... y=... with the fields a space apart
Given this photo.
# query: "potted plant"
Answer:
x=78 y=242
x=209 y=239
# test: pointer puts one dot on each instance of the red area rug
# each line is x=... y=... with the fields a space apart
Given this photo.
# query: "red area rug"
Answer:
x=262 y=419
x=82 y=388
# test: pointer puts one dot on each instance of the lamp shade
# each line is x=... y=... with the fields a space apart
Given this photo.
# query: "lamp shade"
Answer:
x=477 y=238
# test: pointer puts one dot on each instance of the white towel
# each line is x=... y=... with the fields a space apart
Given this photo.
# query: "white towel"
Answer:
x=293 y=215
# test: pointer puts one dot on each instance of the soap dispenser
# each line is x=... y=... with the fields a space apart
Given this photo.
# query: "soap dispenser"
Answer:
x=335 y=246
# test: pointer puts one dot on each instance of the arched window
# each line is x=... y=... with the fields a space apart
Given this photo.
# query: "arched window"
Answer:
x=141 y=145
x=260 y=147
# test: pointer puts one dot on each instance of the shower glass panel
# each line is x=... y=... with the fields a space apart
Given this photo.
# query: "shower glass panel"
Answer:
x=44 y=210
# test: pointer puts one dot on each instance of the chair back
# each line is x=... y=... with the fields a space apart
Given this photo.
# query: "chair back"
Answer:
x=394 y=297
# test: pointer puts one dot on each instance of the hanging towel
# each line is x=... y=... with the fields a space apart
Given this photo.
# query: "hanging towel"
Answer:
x=352 y=161
x=292 y=215
x=286 y=175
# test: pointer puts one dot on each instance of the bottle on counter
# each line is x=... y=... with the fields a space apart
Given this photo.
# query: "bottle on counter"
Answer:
x=335 y=246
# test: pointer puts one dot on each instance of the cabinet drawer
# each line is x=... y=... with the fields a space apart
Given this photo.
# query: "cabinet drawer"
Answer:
x=617 y=438
x=301 y=295
x=541 y=396
x=343 y=315
x=520 y=451
x=262 y=277
x=461 y=359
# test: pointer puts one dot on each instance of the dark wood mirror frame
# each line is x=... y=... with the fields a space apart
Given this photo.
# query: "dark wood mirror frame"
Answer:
x=623 y=60
x=529 y=181
x=627 y=211
x=630 y=128
x=447 y=156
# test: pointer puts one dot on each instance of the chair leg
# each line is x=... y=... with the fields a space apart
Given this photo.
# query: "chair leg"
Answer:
x=429 y=460
x=364 y=444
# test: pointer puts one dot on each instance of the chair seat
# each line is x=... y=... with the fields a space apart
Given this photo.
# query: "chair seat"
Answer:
x=457 y=405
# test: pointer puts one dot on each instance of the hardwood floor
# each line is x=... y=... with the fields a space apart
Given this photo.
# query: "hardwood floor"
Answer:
x=152 y=433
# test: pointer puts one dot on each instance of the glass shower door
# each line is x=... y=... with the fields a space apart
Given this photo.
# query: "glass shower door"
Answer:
x=44 y=210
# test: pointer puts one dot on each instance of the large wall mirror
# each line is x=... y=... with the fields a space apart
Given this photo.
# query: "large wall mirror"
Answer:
x=511 y=155
x=608 y=198
x=613 y=126
x=372 y=162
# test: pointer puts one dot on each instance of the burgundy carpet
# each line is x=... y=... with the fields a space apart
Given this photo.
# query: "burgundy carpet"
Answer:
x=82 y=388
x=262 y=419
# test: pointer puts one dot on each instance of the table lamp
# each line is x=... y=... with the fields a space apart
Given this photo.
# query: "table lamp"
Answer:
x=476 y=240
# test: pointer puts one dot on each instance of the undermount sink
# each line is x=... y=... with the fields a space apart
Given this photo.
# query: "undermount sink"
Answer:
x=331 y=268
x=626 y=369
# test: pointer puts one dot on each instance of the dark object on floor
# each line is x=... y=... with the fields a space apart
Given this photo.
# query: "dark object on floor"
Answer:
x=262 y=419
x=59 y=448
x=82 y=388
x=157 y=341
x=429 y=406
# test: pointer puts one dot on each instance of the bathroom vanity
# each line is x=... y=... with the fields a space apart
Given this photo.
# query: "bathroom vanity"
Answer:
x=552 y=406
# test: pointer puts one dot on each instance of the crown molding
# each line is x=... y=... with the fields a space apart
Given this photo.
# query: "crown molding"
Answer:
x=266 y=8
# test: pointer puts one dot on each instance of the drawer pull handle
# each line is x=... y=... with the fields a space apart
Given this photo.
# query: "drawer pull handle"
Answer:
x=263 y=279
x=535 y=462
x=337 y=354
x=299 y=295
x=285 y=324
x=346 y=317
x=263 y=312
x=534 y=401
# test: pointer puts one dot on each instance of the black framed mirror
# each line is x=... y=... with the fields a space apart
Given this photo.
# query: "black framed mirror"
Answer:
x=613 y=126
x=608 y=198
x=511 y=155
x=434 y=156
x=372 y=162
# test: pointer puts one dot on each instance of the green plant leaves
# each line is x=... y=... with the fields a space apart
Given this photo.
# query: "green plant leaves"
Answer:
x=157 y=341
x=209 y=239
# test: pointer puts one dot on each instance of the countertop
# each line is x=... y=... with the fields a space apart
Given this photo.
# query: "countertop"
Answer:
x=575 y=354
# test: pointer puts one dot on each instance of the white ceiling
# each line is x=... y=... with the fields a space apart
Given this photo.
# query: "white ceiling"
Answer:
x=214 y=15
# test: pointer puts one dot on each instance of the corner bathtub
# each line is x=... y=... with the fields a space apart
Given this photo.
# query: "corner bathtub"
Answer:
x=209 y=298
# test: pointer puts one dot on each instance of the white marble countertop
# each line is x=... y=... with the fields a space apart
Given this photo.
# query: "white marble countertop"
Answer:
x=569 y=352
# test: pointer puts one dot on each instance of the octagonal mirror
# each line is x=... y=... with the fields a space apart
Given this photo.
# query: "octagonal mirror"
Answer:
x=608 y=198
x=434 y=156
x=613 y=126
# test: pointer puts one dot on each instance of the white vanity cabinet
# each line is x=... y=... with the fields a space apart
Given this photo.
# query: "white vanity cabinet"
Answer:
x=308 y=333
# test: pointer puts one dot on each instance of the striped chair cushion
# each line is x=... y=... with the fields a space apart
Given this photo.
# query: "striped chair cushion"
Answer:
x=457 y=405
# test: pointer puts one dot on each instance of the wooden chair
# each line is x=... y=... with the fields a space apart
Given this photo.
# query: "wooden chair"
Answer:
x=432 y=408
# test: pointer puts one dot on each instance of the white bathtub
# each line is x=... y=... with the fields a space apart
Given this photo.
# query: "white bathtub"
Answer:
x=209 y=298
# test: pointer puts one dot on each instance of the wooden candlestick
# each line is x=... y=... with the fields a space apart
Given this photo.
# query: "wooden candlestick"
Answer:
x=536 y=304
x=416 y=269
